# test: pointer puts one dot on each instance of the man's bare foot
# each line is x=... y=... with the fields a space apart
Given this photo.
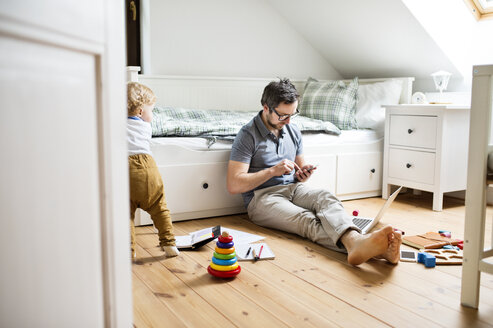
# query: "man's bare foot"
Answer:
x=393 y=254
x=361 y=248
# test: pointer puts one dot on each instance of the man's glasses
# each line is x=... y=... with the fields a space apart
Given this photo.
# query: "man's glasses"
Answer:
x=285 y=116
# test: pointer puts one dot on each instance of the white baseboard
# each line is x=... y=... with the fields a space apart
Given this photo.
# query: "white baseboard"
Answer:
x=462 y=195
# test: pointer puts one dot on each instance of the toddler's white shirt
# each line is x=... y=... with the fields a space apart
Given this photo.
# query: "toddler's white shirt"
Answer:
x=139 y=134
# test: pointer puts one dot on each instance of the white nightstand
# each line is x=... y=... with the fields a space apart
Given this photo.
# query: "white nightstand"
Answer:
x=426 y=149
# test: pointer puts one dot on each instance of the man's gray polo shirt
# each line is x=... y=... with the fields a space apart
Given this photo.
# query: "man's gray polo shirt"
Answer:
x=257 y=146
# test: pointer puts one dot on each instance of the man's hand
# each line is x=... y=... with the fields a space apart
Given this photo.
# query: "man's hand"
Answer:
x=285 y=167
x=305 y=172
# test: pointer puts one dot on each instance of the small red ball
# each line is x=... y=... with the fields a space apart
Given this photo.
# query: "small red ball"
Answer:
x=355 y=213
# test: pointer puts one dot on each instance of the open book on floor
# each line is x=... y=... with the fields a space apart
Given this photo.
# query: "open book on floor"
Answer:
x=198 y=238
x=246 y=252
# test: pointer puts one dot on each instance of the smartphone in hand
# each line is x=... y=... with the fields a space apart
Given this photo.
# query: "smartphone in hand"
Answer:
x=312 y=168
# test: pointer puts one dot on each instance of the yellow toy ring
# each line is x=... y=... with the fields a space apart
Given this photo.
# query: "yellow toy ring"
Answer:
x=225 y=250
x=224 y=267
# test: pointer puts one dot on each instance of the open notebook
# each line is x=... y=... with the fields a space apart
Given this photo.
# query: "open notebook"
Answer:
x=366 y=224
x=243 y=249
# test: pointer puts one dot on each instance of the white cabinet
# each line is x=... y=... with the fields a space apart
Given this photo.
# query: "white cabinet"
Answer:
x=426 y=149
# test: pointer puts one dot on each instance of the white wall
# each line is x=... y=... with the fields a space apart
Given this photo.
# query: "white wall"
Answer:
x=466 y=41
x=319 y=38
x=368 y=38
x=229 y=38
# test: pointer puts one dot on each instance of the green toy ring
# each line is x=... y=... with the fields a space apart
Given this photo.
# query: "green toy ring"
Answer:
x=224 y=256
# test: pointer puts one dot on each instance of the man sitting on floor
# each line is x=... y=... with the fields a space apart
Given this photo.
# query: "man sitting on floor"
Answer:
x=267 y=166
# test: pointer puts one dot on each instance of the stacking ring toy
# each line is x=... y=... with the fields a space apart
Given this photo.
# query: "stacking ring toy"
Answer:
x=224 y=274
x=225 y=250
x=224 y=262
x=224 y=256
x=223 y=239
x=225 y=245
x=223 y=267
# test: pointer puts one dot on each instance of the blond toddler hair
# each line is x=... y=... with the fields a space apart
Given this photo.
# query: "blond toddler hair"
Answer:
x=138 y=95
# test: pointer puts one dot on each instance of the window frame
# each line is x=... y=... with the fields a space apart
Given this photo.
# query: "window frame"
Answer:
x=478 y=11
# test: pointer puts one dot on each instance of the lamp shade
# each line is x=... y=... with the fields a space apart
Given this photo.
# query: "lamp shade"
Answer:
x=441 y=79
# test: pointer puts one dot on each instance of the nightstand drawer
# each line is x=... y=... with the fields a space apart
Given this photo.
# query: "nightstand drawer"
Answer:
x=413 y=131
x=412 y=165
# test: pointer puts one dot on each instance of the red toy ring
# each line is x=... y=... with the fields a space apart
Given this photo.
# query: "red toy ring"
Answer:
x=224 y=274
x=225 y=239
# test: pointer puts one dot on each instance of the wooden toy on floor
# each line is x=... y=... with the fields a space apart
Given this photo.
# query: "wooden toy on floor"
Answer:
x=445 y=233
x=429 y=240
x=224 y=263
x=428 y=260
x=446 y=256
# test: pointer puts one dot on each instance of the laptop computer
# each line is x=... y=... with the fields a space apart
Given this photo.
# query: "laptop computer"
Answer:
x=366 y=224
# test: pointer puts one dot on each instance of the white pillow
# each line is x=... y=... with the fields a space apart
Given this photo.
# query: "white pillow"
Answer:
x=369 y=111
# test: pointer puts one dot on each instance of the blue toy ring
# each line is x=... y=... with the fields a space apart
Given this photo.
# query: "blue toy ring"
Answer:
x=224 y=262
x=225 y=245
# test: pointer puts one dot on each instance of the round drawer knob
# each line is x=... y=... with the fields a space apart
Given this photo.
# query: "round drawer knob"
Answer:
x=410 y=131
x=408 y=165
x=205 y=185
x=372 y=170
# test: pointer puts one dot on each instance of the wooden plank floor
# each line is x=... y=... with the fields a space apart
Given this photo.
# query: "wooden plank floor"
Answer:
x=307 y=285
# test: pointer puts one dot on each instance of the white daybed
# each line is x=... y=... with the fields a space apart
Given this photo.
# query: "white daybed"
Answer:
x=350 y=165
x=476 y=258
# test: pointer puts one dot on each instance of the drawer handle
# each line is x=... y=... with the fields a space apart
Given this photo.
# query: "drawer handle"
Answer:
x=408 y=165
x=410 y=131
x=205 y=185
x=372 y=170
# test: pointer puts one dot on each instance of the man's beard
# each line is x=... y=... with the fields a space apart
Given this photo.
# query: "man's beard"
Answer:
x=277 y=126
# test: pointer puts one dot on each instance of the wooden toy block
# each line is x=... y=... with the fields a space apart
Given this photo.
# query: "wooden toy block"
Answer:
x=446 y=256
x=428 y=260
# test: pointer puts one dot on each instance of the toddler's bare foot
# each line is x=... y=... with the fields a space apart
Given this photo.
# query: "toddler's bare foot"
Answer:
x=170 y=251
x=361 y=248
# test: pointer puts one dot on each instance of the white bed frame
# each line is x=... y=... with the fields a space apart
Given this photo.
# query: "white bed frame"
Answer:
x=195 y=181
x=480 y=138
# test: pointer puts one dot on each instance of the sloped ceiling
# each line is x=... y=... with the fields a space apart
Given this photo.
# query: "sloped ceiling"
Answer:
x=368 y=38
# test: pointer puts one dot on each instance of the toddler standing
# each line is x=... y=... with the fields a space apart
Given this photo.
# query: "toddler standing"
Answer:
x=146 y=185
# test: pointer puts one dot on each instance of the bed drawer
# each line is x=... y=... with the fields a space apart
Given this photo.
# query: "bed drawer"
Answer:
x=413 y=131
x=197 y=187
x=195 y=191
x=412 y=165
x=358 y=173
x=324 y=177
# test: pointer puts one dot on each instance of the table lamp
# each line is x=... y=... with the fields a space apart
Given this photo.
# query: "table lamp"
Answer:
x=441 y=79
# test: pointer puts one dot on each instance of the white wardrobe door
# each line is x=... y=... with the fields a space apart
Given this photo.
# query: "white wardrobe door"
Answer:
x=51 y=273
